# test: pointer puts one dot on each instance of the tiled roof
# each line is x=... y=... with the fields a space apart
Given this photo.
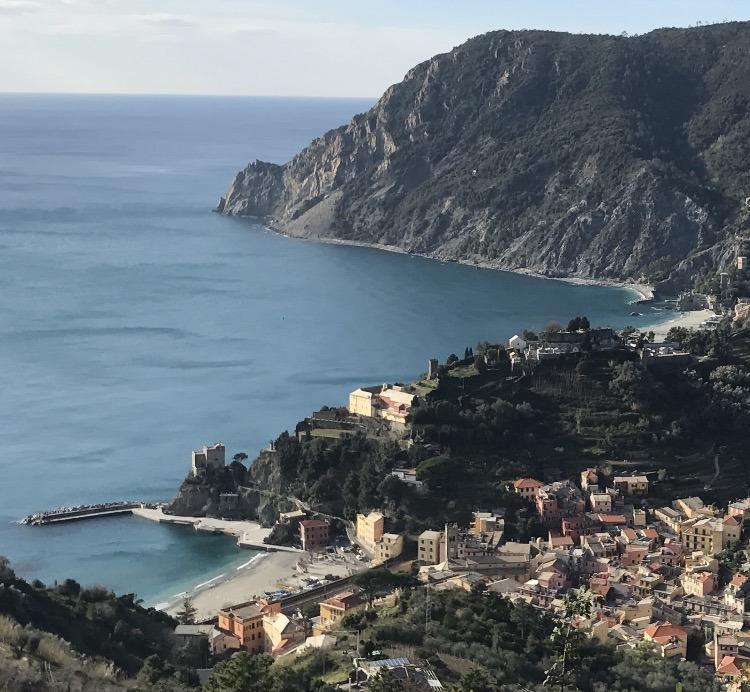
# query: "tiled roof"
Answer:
x=526 y=483
x=727 y=666
x=662 y=632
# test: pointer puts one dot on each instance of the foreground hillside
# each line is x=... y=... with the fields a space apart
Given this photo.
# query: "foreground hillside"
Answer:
x=68 y=637
x=578 y=155
x=58 y=640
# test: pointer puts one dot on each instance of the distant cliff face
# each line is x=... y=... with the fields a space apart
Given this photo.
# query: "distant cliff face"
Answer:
x=589 y=156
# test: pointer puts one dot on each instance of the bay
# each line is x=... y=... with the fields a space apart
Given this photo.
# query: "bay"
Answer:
x=136 y=325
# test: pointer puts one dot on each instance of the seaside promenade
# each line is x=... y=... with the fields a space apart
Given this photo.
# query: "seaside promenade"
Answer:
x=249 y=534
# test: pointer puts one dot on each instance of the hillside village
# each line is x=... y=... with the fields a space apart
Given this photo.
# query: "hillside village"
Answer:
x=665 y=571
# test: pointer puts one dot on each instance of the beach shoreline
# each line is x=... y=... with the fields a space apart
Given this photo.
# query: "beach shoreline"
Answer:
x=688 y=320
x=644 y=292
x=270 y=568
x=263 y=572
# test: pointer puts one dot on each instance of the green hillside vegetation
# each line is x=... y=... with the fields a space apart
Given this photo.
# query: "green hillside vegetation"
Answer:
x=476 y=432
x=67 y=637
x=481 y=642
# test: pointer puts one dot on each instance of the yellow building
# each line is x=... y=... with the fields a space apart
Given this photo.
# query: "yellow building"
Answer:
x=430 y=546
x=370 y=529
x=335 y=607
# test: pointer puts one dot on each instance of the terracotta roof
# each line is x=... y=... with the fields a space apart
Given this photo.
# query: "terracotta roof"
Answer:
x=660 y=633
x=527 y=483
x=727 y=666
x=738 y=580
x=650 y=533
x=612 y=518
x=345 y=600
x=731 y=520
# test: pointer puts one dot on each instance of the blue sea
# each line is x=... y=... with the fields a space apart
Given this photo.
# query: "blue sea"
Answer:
x=136 y=325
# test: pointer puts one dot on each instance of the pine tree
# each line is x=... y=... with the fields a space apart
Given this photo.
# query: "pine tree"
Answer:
x=186 y=616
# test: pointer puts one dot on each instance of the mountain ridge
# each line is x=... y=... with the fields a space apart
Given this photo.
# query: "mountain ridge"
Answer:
x=589 y=156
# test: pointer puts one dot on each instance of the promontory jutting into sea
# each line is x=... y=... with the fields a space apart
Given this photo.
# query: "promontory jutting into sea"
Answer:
x=448 y=389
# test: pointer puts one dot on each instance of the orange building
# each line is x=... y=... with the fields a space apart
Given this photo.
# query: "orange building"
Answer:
x=334 y=608
x=246 y=623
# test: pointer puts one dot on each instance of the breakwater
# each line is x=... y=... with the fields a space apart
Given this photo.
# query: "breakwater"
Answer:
x=79 y=512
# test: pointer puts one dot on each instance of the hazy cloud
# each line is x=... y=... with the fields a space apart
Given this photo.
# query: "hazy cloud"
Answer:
x=11 y=7
x=163 y=20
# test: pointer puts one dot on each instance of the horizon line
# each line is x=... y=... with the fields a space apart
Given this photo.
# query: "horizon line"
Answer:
x=178 y=94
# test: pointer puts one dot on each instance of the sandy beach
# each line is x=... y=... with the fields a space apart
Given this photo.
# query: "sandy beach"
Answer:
x=262 y=572
x=274 y=567
x=689 y=320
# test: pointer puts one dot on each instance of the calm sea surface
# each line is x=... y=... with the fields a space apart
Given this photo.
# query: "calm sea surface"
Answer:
x=136 y=325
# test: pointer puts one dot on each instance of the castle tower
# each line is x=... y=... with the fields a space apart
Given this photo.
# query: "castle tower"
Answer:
x=743 y=251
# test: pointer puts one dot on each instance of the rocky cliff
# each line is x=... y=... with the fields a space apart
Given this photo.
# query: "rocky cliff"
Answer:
x=569 y=155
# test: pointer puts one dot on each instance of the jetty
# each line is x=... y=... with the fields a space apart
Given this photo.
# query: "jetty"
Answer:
x=79 y=512
x=248 y=534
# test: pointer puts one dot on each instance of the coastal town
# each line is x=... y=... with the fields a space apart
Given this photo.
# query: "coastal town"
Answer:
x=663 y=574
x=669 y=577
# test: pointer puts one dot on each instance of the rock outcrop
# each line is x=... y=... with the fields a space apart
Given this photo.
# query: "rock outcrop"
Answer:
x=569 y=155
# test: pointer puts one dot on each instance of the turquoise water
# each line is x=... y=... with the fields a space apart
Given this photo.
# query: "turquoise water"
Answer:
x=136 y=325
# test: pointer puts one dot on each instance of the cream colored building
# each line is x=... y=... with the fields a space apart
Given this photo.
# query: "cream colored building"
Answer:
x=370 y=529
x=600 y=502
x=527 y=488
x=671 y=517
x=360 y=403
x=390 y=546
x=430 y=546
x=391 y=403
x=710 y=535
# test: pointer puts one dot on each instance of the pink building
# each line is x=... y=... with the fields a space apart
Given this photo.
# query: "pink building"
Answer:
x=546 y=506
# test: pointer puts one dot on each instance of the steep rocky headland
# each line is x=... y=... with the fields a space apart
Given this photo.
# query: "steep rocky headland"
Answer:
x=605 y=157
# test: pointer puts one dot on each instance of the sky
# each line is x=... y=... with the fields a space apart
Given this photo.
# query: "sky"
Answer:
x=283 y=47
